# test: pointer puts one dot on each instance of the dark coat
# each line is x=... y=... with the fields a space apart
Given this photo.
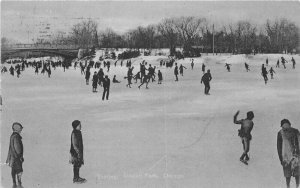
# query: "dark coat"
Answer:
x=206 y=78
x=15 y=152
x=106 y=83
x=76 y=148
x=287 y=148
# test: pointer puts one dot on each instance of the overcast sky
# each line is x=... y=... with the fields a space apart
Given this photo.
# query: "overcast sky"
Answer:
x=22 y=20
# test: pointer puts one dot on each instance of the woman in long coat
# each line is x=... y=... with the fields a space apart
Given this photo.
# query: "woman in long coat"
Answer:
x=288 y=151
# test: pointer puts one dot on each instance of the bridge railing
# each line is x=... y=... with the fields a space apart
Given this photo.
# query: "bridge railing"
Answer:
x=40 y=46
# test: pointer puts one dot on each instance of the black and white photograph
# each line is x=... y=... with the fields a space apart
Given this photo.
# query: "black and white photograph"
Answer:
x=150 y=94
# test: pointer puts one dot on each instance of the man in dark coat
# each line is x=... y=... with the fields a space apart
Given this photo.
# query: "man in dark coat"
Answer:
x=15 y=154
x=206 y=78
x=106 y=85
x=245 y=133
x=176 y=72
x=77 y=151
x=87 y=75
x=95 y=81
x=288 y=151
x=160 y=78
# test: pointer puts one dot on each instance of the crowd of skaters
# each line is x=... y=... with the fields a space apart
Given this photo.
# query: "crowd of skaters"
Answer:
x=145 y=74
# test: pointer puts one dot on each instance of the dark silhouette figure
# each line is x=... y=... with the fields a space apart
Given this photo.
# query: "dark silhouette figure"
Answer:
x=227 y=65
x=160 y=77
x=146 y=80
x=245 y=133
x=264 y=73
x=95 y=81
x=294 y=63
x=115 y=80
x=176 y=72
x=203 y=68
x=181 y=69
x=206 y=78
x=247 y=67
x=129 y=76
x=277 y=64
x=271 y=71
x=192 y=64
x=87 y=75
x=76 y=151
x=15 y=154
x=283 y=61
x=106 y=86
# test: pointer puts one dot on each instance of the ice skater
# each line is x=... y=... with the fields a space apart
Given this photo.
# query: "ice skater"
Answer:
x=76 y=151
x=181 y=69
x=267 y=62
x=227 y=65
x=283 y=61
x=176 y=72
x=129 y=76
x=106 y=86
x=160 y=78
x=15 y=155
x=87 y=75
x=12 y=70
x=146 y=80
x=95 y=81
x=247 y=67
x=203 y=68
x=245 y=133
x=206 y=78
x=277 y=64
x=100 y=76
x=294 y=62
x=192 y=64
x=264 y=73
x=271 y=71
x=288 y=151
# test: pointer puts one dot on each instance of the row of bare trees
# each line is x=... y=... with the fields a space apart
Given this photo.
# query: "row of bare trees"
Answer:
x=189 y=33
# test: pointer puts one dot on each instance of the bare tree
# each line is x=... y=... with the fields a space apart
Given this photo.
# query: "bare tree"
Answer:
x=84 y=33
x=167 y=28
x=189 y=28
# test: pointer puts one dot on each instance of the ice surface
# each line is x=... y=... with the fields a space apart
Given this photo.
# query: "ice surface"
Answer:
x=171 y=135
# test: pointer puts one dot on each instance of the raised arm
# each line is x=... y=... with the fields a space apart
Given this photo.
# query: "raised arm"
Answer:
x=235 y=118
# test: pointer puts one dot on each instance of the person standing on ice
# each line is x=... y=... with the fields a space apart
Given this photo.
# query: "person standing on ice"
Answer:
x=87 y=75
x=15 y=154
x=227 y=65
x=288 y=151
x=76 y=151
x=160 y=78
x=129 y=76
x=277 y=64
x=203 y=68
x=12 y=70
x=176 y=72
x=267 y=62
x=264 y=73
x=95 y=81
x=206 y=78
x=271 y=72
x=181 y=69
x=283 y=61
x=245 y=133
x=294 y=63
x=247 y=67
x=106 y=86
x=192 y=64
x=100 y=76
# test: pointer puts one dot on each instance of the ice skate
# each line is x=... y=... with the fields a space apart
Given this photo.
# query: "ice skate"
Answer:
x=244 y=161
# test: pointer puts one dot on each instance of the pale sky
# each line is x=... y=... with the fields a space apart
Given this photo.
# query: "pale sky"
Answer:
x=21 y=20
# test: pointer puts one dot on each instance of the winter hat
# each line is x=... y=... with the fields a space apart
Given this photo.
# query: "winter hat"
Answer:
x=284 y=121
x=17 y=126
x=250 y=115
x=75 y=123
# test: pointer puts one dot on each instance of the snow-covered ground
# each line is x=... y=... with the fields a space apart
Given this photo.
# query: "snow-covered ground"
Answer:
x=170 y=136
